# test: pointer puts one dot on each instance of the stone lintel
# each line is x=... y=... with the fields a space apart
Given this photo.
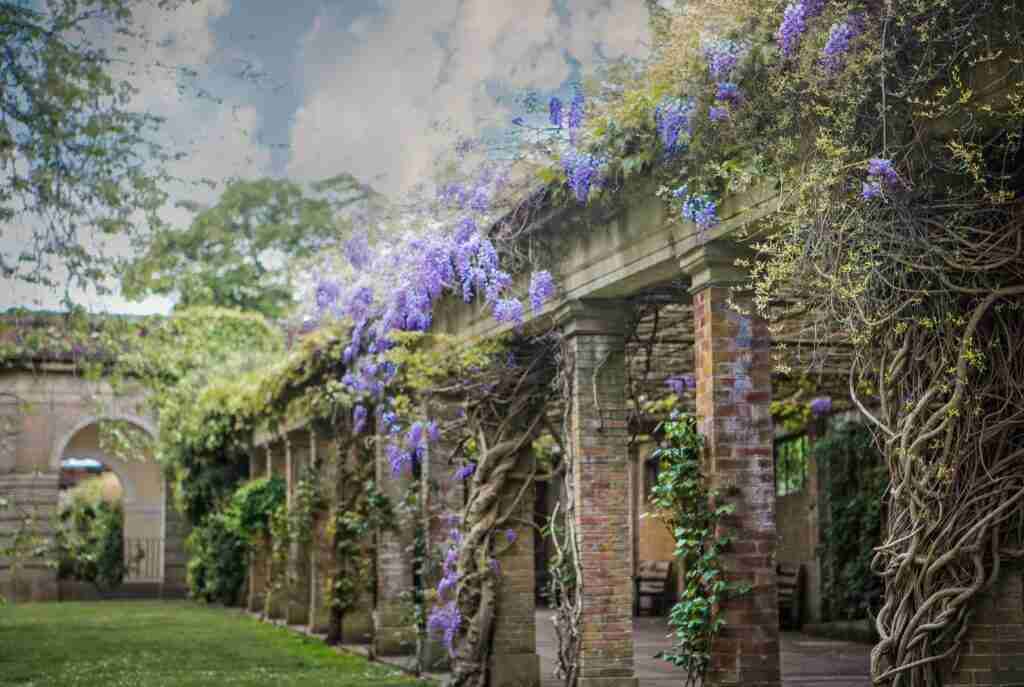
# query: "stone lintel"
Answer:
x=595 y=317
x=714 y=264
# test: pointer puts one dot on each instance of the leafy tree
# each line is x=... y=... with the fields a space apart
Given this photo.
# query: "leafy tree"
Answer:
x=77 y=165
x=234 y=253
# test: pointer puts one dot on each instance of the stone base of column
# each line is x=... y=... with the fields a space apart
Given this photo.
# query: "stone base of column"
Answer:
x=357 y=626
x=392 y=636
x=521 y=670
x=298 y=586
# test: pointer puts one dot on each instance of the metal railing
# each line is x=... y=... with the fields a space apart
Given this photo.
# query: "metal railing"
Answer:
x=144 y=559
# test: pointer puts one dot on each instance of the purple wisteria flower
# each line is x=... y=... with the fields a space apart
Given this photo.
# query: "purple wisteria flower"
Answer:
x=509 y=310
x=881 y=175
x=542 y=288
x=722 y=56
x=728 y=92
x=794 y=24
x=359 y=419
x=577 y=110
x=511 y=536
x=681 y=384
x=555 y=112
x=327 y=292
x=833 y=55
x=465 y=472
x=672 y=118
x=444 y=622
x=718 y=114
x=701 y=210
x=357 y=250
x=398 y=459
x=821 y=406
x=582 y=170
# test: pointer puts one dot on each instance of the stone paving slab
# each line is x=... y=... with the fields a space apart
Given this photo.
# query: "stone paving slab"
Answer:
x=805 y=660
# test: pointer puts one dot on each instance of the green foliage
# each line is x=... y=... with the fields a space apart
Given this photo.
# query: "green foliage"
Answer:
x=77 y=162
x=219 y=546
x=693 y=513
x=253 y=503
x=90 y=539
x=234 y=254
x=218 y=564
x=855 y=479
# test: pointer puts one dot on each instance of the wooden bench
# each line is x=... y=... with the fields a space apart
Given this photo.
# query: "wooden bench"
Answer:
x=790 y=585
x=652 y=582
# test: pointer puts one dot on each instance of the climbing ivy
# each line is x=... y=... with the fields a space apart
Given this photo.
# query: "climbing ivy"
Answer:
x=693 y=512
x=854 y=481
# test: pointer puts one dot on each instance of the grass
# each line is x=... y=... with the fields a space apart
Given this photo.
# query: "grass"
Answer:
x=168 y=644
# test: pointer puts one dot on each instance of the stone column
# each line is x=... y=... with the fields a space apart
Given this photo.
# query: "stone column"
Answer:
x=993 y=649
x=595 y=331
x=277 y=596
x=258 y=562
x=393 y=631
x=441 y=497
x=733 y=396
x=297 y=459
x=514 y=659
x=322 y=549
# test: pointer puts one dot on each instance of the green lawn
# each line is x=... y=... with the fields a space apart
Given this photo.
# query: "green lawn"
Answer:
x=168 y=644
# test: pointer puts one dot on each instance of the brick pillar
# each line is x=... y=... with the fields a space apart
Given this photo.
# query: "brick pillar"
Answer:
x=733 y=397
x=297 y=454
x=258 y=562
x=277 y=597
x=393 y=631
x=993 y=649
x=514 y=659
x=595 y=331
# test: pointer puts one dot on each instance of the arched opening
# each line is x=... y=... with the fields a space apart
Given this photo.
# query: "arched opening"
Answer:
x=97 y=481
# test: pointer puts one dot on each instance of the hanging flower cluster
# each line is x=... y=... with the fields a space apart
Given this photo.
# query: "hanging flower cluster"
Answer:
x=671 y=119
x=840 y=36
x=881 y=175
x=555 y=113
x=794 y=24
x=722 y=56
x=542 y=288
x=702 y=210
x=583 y=170
x=445 y=619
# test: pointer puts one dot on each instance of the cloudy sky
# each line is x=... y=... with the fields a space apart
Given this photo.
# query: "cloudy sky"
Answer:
x=308 y=89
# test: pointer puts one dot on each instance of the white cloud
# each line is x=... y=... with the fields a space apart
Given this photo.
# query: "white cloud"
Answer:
x=376 y=85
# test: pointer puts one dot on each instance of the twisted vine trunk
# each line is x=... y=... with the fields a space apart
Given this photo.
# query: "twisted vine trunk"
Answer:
x=952 y=424
x=568 y=576
x=487 y=510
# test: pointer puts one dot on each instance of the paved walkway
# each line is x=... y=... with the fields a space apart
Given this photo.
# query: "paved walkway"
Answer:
x=805 y=660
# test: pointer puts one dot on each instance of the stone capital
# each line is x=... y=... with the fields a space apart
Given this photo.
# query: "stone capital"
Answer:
x=597 y=317
x=714 y=264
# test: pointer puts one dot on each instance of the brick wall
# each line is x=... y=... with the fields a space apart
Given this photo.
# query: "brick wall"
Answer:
x=993 y=649
x=733 y=398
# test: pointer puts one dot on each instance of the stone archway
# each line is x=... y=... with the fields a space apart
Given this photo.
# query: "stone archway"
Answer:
x=144 y=496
